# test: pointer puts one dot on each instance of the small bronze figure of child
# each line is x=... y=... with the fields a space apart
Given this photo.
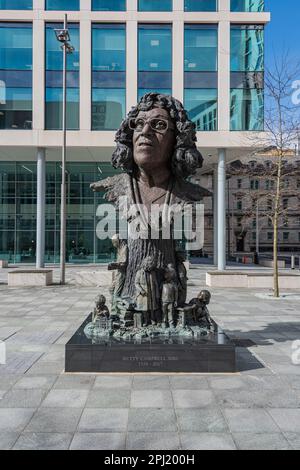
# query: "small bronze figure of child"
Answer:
x=101 y=309
x=169 y=297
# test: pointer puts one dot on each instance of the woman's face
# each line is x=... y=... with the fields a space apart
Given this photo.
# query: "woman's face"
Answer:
x=152 y=149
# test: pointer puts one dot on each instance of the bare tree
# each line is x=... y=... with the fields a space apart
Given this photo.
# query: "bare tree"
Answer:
x=282 y=129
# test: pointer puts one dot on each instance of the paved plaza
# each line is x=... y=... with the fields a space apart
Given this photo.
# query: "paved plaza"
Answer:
x=43 y=408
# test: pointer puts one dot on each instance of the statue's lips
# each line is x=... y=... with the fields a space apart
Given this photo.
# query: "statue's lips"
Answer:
x=145 y=144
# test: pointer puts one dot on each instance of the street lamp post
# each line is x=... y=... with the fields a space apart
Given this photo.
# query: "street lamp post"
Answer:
x=62 y=35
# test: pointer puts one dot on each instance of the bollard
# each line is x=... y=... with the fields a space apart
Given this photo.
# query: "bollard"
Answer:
x=293 y=261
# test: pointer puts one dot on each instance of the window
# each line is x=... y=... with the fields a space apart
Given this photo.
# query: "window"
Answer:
x=254 y=184
x=200 y=5
x=254 y=236
x=247 y=5
x=54 y=64
x=239 y=184
x=253 y=223
x=285 y=203
x=247 y=79
x=286 y=236
x=65 y=5
x=18 y=219
x=270 y=236
x=154 y=59
x=108 y=5
x=15 y=4
x=239 y=205
x=155 y=5
x=200 y=75
x=108 y=75
x=15 y=76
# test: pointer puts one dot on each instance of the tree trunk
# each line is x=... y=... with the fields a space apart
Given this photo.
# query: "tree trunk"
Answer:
x=275 y=257
x=276 y=220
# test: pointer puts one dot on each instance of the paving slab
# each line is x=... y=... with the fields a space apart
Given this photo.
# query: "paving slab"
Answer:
x=207 y=441
x=98 y=441
x=152 y=441
x=43 y=441
x=103 y=420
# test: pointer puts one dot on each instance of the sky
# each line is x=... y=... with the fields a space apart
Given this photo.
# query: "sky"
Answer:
x=284 y=30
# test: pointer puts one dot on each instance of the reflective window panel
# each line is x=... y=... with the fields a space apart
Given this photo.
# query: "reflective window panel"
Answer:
x=15 y=4
x=155 y=57
x=202 y=107
x=248 y=5
x=15 y=76
x=109 y=5
x=247 y=48
x=65 y=5
x=200 y=48
x=108 y=75
x=155 y=5
x=54 y=79
x=246 y=110
x=18 y=212
x=200 y=5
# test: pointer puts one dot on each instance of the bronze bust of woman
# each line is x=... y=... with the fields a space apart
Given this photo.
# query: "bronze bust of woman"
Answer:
x=156 y=149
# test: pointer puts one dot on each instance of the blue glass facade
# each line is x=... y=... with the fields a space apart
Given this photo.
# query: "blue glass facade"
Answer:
x=18 y=198
x=155 y=5
x=247 y=5
x=15 y=4
x=54 y=79
x=65 y=5
x=15 y=76
x=200 y=75
x=108 y=75
x=154 y=58
x=247 y=78
x=109 y=5
x=200 y=5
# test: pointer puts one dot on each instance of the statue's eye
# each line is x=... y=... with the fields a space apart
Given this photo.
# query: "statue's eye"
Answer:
x=159 y=124
x=139 y=124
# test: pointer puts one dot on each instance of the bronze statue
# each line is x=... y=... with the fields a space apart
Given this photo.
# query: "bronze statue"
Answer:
x=156 y=149
x=147 y=291
x=101 y=310
x=169 y=297
x=119 y=272
x=200 y=310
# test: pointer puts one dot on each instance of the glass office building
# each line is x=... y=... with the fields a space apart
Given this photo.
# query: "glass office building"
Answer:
x=192 y=49
x=15 y=75
x=201 y=75
x=247 y=78
x=108 y=75
x=154 y=59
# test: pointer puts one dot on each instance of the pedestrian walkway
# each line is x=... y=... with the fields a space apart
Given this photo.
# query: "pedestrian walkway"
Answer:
x=43 y=408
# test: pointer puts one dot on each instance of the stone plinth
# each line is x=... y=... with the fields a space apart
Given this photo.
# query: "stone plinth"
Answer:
x=93 y=278
x=30 y=278
x=213 y=353
x=269 y=263
x=3 y=264
x=251 y=280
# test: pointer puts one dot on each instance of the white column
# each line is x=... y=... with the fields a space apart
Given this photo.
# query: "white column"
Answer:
x=85 y=5
x=40 y=208
x=224 y=5
x=224 y=76
x=178 y=60
x=131 y=64
x=215 y=213
x=85 y=75
x=178 y=5
x=38 y=75
x=132 y=5
x=221 y=209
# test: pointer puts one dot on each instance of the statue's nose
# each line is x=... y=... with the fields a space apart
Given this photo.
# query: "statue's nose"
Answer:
x=147 y=129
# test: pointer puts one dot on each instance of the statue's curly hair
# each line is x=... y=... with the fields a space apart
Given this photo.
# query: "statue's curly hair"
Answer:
x=186 y=158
